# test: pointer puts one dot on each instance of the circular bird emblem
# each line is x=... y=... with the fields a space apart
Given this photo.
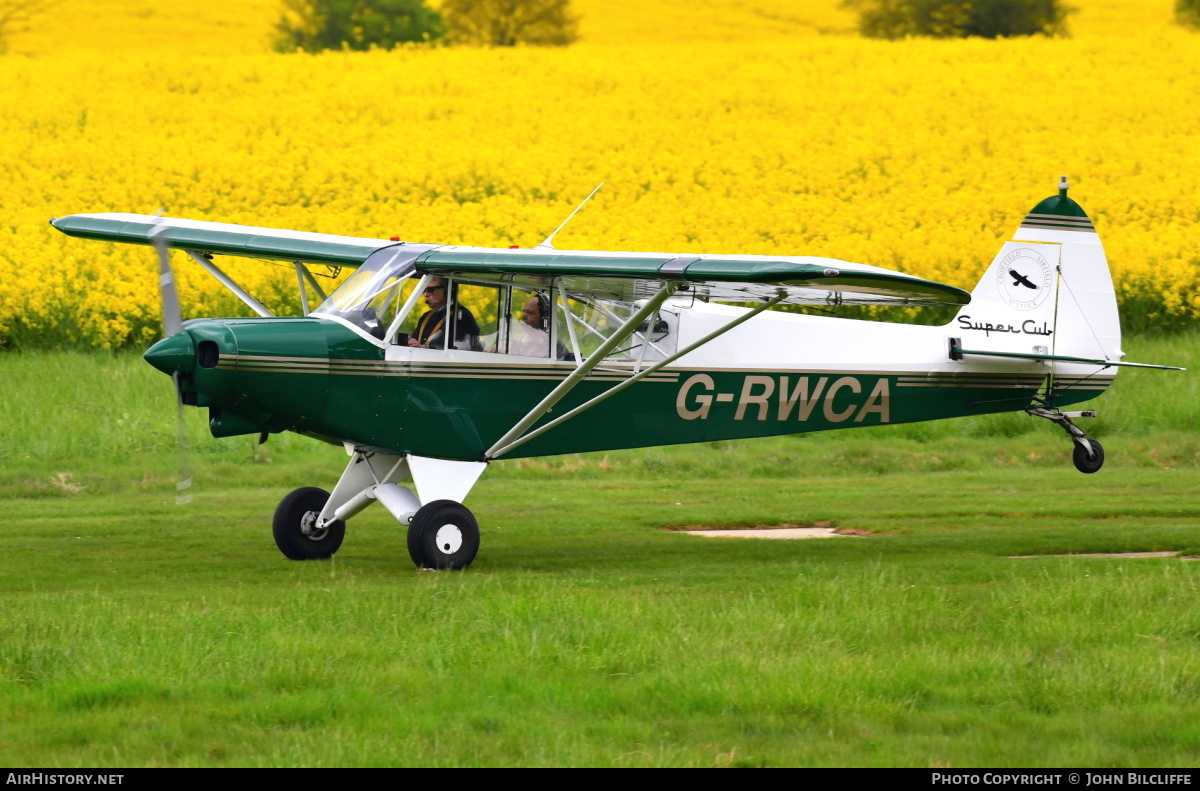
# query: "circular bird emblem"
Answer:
x=1024 y=278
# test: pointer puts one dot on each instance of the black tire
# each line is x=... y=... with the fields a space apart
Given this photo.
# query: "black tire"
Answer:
x=443 y=535
x=1085 y=463
x=295 y=514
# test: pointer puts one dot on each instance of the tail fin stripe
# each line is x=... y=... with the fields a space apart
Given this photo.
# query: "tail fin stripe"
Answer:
x=1058 y=218
x=1048 y=226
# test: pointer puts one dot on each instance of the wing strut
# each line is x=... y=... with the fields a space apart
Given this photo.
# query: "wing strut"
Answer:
x=500 y=448
x=506 y=443
x=226 y=281
x=303 y=275
x=303 y=291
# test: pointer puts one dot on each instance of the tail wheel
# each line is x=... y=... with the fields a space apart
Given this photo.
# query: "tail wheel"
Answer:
x=443 y=535
x=295 y=526
x=1088 y=462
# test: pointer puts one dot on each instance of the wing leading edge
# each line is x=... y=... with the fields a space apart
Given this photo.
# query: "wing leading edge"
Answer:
x=221 y=238
x=617 y=275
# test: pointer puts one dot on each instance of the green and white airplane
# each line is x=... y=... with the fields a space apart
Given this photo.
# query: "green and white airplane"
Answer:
x=531 y=352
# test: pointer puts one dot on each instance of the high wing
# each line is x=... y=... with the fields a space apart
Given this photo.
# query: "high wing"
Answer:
x=220 y=238
x=799 y=280
x=807 y=280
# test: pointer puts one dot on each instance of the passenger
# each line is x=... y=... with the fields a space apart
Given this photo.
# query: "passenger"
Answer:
x=431 y=328
x=531 y=337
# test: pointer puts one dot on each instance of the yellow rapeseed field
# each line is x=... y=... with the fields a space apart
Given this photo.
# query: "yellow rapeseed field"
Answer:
x=755 y=126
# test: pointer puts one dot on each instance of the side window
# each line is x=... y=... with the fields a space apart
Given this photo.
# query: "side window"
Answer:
x=593 y=323
x=595 y=320
x=451 y=315
x=527 y=326
x=423 y=323
x=476 y=319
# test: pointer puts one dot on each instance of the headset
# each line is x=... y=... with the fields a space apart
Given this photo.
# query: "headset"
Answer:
x=543 y=311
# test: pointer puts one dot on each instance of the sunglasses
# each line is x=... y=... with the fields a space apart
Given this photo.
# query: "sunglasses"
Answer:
x=431 y=289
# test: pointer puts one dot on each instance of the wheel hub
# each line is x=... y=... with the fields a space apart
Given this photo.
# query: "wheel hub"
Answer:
x=308 y=526
x=448 y=539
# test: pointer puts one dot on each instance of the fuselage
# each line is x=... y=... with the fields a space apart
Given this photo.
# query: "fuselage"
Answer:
x=780 y=373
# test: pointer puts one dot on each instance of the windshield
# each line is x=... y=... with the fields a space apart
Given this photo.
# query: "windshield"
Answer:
x=371 y=296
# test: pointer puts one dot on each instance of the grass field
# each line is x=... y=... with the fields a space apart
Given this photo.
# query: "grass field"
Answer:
x=136 y=632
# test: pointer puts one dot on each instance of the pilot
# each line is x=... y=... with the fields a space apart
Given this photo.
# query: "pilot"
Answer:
x=431 y=327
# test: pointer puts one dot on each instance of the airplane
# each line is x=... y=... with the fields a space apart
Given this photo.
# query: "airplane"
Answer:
x=551 y=351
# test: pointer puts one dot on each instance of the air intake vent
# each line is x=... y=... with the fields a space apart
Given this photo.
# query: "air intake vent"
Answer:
x=207 y=355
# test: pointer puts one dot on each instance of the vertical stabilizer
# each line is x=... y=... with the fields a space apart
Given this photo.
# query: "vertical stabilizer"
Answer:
x=1048 y=290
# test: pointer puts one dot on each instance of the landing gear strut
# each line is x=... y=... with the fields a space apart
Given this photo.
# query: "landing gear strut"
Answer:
x=1089 y=454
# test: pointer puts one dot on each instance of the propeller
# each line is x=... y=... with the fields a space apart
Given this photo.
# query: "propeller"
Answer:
x=173 y=325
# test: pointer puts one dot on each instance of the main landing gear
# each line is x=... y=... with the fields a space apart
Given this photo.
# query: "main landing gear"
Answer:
x=1088 y=454
x=295 y=526
x=310 y=523
x=443 y=535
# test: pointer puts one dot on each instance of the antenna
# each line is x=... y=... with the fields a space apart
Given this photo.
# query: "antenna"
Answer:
x=548 y=244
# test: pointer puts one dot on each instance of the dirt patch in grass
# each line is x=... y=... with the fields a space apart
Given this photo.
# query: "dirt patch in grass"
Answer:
x=792 y=531
x=703 y=528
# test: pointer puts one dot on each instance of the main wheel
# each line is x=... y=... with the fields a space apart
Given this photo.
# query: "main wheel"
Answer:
x=1085 y=462
x=443 y=535
x=295 y=526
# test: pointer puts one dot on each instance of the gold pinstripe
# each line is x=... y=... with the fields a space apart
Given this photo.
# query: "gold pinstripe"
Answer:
x=552 y=372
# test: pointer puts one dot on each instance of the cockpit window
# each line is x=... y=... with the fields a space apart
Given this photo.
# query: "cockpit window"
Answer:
x=371 y=296
x=495 y=317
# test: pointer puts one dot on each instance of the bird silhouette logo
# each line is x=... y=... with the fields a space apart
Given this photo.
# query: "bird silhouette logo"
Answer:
x=1021 y=280
x=1024 y=278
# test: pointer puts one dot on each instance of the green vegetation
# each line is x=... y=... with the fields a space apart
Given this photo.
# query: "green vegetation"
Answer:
x=507 y=23
x=1187 y=13
x=894 y=19
x=16 y=15
x=138 y=632
x=316 y=25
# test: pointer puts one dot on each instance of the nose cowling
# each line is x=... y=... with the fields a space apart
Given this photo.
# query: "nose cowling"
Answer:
x=194 y=359
x=251 y=373
x=174 y=354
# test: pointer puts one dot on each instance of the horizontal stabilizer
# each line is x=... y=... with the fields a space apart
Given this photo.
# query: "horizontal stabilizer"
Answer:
x=959 y=353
